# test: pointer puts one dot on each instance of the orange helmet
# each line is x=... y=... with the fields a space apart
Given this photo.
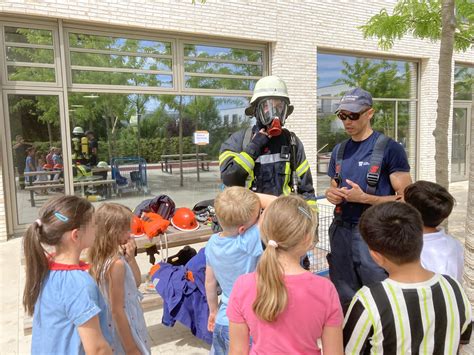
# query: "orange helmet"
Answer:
x=47 y=167
x=184 y=220
x=58 y=167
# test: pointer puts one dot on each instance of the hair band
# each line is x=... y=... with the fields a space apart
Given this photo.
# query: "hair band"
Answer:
x=61 y=217
x=39 y=223
x=272 y=243
x=305 y=212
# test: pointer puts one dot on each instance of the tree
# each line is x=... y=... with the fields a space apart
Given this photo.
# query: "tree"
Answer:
x=433 y=20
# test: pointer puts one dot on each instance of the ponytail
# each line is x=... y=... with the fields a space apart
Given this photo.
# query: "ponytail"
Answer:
x=58 y=216
x=287 y=224
x=272 y=295
x=36 y=266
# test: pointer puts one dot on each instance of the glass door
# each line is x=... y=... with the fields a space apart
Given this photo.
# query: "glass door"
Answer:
x=34 y=153
x=460 y=142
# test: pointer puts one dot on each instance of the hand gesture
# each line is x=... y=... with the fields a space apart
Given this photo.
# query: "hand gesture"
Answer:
x=129 y=249
x=335 y=195
x=354 y=194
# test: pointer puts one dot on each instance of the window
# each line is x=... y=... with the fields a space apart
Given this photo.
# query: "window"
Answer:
x=463 y=77
x=393 y=85
x=226 y=119
x=29 y=54
x=122 y=61
x=222 y=68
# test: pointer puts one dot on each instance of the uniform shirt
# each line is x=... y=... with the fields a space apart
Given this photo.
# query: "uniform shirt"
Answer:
x=355 y=164
x=443 y=254
x=68 y=299
x=229 y=258
x=313 y=304
x=390 y=317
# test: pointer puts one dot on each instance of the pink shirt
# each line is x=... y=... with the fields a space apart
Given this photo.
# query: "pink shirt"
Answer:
x=313 y=303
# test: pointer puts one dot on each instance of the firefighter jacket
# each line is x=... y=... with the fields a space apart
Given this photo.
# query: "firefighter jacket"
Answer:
x=270 y=173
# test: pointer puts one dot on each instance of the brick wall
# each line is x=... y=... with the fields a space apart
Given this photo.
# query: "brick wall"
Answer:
x=295 y=29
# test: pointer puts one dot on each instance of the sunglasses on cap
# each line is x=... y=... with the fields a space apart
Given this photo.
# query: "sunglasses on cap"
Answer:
x=353 y=116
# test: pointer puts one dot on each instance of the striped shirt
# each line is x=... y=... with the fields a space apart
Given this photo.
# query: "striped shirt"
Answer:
x=390 y=317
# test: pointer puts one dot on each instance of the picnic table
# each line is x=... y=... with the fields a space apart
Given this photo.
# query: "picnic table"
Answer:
x=175 y=238
x=81 y=182
x=170 y=160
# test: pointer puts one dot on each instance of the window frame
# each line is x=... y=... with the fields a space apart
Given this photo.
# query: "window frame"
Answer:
x=56 y=66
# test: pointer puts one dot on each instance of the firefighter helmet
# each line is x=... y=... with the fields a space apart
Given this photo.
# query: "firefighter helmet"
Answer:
x=78 y=131
x=184 y=220
x=268 y=86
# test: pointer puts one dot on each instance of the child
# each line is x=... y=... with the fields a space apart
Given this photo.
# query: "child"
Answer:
x=441 y=253
x=231 y=253
x=30 y=165
x=414 y=310
x=116 y=271
x=283 y=307
x=69 y=313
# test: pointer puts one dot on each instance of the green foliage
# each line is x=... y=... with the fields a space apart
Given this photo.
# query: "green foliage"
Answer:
x=381 y=79
x=421 y=18
x=151 y=149
x=463 y=80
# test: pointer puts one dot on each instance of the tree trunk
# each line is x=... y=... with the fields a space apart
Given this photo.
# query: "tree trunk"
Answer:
x=50 y=134
x=468 y=276
x=444 y=92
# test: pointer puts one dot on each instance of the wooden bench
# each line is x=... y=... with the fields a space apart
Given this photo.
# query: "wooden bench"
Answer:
x=203 y=165
x=109 y=184
x=43 y=185
x=170 y=160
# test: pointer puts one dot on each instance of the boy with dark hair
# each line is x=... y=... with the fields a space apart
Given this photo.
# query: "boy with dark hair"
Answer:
x=414 y=310
x=441 y=253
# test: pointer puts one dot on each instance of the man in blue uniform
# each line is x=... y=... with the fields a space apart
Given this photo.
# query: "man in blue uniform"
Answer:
x=367 y=169
x=267 y=158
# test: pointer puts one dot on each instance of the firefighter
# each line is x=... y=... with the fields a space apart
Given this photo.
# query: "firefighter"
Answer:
x=79 y=146
x=267 y=158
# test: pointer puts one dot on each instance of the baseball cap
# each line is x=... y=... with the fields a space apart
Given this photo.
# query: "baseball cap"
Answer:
x=355 y=100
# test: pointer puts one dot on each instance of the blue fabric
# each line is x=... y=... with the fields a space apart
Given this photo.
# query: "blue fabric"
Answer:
x=68 y=299
x=229 y=258
x=220 y=340
x=350 y=264
x=355 y=164
x=184 y=300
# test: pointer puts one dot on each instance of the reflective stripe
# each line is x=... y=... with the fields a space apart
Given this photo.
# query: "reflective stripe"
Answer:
x=286 y=183
x=270 y=158
x=247 y=159
x=313 y=204
x=304 y=166
x=225 y=155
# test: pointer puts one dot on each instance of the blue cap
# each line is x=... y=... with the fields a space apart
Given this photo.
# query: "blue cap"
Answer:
x=355 y=100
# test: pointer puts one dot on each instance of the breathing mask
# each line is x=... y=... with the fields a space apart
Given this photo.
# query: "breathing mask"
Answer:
x=272 y=114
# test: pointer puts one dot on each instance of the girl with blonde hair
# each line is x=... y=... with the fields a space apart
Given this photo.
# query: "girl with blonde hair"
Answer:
x=283 y=307
x=69 y=312
x=117 y=273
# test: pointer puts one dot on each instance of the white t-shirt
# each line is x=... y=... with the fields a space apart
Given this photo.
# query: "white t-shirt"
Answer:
x=443 y=254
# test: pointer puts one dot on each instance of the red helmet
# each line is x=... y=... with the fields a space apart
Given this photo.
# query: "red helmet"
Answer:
x=47 y=167
x=58 y=167
x=184 y=220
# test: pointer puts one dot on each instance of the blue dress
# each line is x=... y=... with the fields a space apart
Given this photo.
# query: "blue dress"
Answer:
x=133 y=311
x=69 y=298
